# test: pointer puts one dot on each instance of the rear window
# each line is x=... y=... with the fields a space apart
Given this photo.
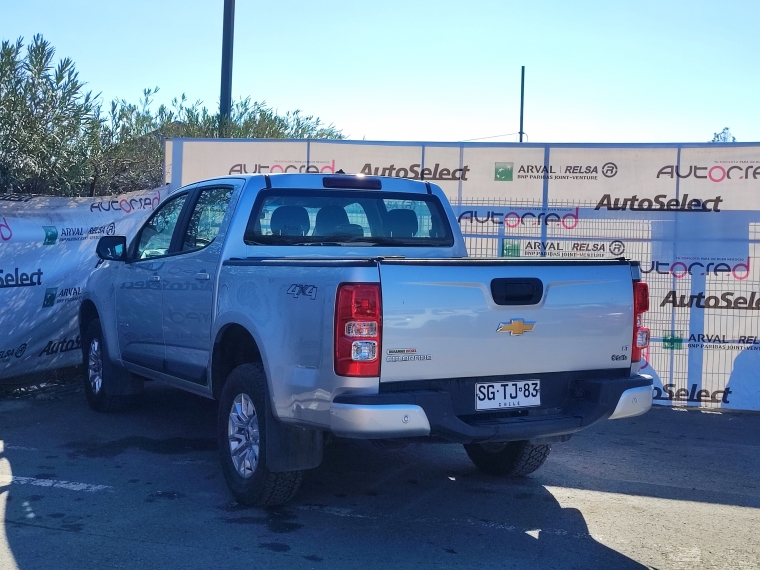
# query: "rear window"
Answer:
x=339 y=217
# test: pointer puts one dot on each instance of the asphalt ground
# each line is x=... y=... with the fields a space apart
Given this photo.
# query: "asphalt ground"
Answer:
x=143 y=489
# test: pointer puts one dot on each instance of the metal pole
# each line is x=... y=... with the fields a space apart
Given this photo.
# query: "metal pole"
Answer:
x=225 y=98
x=522 y=101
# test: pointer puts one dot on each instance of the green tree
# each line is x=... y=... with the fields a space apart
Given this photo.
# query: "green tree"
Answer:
x=57 y=139
x=129 y=155
x=723 y=136
x=46 y=121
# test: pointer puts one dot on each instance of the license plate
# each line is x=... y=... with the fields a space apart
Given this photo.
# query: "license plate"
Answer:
x=501 y=395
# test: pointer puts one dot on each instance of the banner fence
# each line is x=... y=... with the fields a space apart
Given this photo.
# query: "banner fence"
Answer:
x=689 y=213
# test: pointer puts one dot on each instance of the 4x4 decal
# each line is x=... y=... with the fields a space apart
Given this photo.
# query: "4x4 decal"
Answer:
x=305 y=290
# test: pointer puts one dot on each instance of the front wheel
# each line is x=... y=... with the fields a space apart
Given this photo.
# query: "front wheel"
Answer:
x=513 y=458
x=242 y=435
x=99 y=373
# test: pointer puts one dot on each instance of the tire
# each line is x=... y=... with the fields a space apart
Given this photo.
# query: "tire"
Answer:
x=514 y=458
x=99 y=373
x=242 y=435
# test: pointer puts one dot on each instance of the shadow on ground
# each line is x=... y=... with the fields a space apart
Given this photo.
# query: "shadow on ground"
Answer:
x=167 y=504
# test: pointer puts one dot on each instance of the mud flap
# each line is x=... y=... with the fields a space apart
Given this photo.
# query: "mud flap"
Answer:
x=292 y=448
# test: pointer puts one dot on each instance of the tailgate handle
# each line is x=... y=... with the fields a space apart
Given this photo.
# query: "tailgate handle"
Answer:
x=517 y=291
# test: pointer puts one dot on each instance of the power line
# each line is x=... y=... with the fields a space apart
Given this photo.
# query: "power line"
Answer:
x=494 y=137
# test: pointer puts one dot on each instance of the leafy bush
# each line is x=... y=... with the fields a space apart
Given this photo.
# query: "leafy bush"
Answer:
x=57 y=139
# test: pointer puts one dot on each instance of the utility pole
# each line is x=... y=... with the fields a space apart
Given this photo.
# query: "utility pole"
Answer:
x=225 y=98
x=522 y=102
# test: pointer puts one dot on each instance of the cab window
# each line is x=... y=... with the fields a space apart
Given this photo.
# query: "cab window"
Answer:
x=206 y=218
x=336 y=217
x=155 y=237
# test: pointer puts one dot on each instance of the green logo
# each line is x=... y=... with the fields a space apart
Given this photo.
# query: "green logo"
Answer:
x=503 y=171
x=510 y=248
x=50 y=295
x=51 y=235
x=672 y=340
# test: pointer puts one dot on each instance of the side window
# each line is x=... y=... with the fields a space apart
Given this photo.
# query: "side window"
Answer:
x=156 y=236
x=206 y=218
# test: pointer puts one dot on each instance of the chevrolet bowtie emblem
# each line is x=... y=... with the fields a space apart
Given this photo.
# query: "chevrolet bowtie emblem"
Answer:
x=516 y=326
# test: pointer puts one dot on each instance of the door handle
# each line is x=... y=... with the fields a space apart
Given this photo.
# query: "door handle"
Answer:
x=203 y=276
x=155 y=278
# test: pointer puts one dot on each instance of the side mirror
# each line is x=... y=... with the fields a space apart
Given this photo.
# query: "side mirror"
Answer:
x=112 y=248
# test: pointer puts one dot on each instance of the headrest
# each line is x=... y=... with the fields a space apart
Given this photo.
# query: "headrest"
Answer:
x=401 y=223
x=328 y=219
x=290 y=221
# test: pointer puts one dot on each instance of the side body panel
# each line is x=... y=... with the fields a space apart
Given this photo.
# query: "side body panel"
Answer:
x=288 y=308
x=138 y=294
x=188 y=300
x=189 y=294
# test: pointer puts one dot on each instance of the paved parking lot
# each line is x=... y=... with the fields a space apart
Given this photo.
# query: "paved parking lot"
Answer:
x=143 y=489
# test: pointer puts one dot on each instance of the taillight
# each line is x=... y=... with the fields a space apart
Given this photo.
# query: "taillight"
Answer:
x=640 y=332
x=358 y=326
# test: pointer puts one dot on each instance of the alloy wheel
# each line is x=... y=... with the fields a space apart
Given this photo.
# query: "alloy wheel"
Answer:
x=95 y=366
x=243 y=435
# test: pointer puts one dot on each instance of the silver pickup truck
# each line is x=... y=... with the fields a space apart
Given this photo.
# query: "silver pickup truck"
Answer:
x=312 y=305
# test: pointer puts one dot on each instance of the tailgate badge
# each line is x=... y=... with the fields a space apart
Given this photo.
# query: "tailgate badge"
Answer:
x=516 y=327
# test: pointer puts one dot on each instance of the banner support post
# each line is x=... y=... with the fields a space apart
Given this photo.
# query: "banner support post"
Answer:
x=522 y=101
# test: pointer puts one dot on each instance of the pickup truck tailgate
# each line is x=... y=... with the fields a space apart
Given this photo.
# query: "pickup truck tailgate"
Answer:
x=471 y=317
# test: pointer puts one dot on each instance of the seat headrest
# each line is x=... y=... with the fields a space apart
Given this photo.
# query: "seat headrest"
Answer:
x=290 y=221
x=328 y=220
x=401 y=223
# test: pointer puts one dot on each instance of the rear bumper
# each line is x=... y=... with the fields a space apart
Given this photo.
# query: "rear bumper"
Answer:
x=421 y=412
x=378 y=421
x=633 y=402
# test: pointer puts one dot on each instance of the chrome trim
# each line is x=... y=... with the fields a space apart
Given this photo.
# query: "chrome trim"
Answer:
x=374 y=422
x=633 y=402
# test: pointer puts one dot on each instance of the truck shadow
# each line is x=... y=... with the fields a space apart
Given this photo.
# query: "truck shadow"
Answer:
x=430 y=494
x=421 y=506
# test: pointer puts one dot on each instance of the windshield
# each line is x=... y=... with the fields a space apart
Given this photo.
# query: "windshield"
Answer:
x=339 y=217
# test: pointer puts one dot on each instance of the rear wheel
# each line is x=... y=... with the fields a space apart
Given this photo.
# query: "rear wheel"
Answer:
x=99 y=373
x=513 y=458
x=242 y=434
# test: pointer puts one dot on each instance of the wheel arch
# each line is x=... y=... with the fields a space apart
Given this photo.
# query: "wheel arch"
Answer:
x=121 y=382
x=234 y=345
x=88 y=312
x=290 y=448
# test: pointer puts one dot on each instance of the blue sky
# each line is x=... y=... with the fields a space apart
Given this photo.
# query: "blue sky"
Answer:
x=596 y=71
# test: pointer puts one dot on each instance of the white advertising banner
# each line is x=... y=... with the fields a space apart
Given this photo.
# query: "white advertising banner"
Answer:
x=47 y=251
x=690 y=213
